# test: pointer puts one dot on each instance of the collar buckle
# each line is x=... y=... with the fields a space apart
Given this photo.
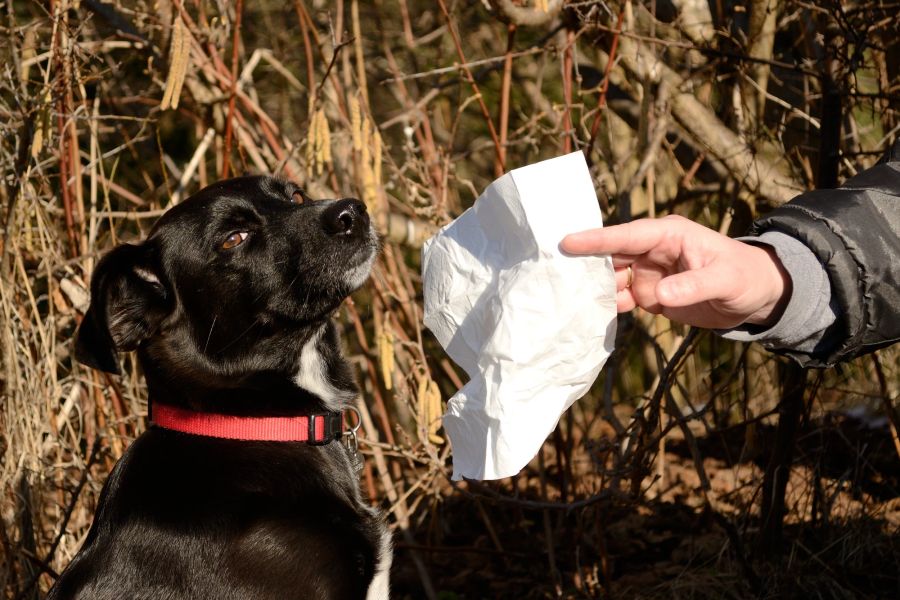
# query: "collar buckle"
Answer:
x=332 y=428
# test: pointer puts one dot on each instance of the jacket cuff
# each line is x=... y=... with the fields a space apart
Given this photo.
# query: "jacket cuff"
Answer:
x=811 y=308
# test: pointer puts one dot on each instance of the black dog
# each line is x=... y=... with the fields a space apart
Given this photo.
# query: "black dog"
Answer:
x=228 y=304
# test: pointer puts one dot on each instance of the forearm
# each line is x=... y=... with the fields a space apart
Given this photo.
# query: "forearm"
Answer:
x=854 y=233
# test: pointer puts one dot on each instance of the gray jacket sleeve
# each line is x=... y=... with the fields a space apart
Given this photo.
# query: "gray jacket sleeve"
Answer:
x=811 y=309
x=854 y=232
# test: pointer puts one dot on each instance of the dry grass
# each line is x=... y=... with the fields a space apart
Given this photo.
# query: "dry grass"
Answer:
x=651 y=485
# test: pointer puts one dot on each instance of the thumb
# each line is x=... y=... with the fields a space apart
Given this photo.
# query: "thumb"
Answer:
x=692 y=287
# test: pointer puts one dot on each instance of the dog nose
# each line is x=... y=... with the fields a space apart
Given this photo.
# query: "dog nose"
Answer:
x=339 y=218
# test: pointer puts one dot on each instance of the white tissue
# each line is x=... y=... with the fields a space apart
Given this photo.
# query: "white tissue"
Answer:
x=531 y=326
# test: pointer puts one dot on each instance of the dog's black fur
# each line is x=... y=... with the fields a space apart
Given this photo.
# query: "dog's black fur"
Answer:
x=242 y=330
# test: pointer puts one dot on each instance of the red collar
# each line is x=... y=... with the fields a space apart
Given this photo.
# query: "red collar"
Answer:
x=316 y=428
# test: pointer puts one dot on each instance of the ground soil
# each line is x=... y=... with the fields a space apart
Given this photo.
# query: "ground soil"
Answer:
x=840 y=541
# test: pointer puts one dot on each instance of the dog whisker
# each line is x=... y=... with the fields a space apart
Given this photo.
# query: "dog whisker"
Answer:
x=209 y=335
x=240 y=335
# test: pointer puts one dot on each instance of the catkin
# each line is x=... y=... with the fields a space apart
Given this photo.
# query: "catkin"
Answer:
x=355 y=123
x=310 y=153
x=434 y=412
x=368 y=144
x=422 y=406
x=385 y=344
x=326 y=141
x=318 y=142
x=323 y=152
x=368 y=177
x=376 y=158
x=179 y=59
x=428 y=400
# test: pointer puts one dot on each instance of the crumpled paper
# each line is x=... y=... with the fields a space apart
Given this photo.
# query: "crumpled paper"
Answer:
x=530 y=325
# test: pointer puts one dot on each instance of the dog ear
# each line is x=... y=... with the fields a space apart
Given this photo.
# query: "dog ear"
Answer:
x=128 y=302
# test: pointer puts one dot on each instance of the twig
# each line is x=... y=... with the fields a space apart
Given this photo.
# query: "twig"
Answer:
x=229 y=122
x=770 y=178
x=462 y=57
x=649 y=423
x=361 y=81
x=62 y=111
x=504 y=99
x=601 y=100
x=334 y=57
x=45 y=564
x=424 y=135
x=462 y=550
x=778 y=471
x=457 y=67
x=491 y=495
x=193 y=164
x=887 y=404
x=733 y=537
x=567 y=70
x=13 y=184
x=307 y=47
x=122 y=192
x=706 y=50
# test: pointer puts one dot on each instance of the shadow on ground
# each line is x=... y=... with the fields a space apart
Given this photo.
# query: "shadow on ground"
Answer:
x=841 y=533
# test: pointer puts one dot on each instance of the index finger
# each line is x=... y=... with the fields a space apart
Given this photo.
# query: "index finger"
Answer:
x=633 y=238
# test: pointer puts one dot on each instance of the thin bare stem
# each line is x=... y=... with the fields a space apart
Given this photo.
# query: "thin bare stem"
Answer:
x=235 y=50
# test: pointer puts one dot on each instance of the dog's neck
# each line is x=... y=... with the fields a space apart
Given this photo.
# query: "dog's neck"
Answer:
x=246 y=400
x=319 y=380
x=315 y=428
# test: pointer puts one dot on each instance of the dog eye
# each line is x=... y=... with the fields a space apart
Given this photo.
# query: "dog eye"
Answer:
x=298 y=197
x=235 y=239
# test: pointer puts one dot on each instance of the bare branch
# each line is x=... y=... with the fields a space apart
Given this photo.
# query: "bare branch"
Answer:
x=761 y=175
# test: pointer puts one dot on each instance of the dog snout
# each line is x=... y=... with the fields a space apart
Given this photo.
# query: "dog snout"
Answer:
x=344 y=216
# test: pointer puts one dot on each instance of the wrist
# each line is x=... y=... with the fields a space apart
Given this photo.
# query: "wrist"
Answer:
x=776 y=282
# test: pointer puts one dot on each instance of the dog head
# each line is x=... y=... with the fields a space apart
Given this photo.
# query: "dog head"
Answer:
x=234 y=285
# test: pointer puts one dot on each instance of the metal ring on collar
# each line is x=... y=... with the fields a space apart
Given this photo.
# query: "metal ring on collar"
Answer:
x=354 y=428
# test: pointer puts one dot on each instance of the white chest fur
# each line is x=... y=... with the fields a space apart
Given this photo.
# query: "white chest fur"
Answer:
x=312 y=375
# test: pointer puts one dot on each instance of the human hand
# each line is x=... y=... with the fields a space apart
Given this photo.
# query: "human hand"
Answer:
x=689 y=273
